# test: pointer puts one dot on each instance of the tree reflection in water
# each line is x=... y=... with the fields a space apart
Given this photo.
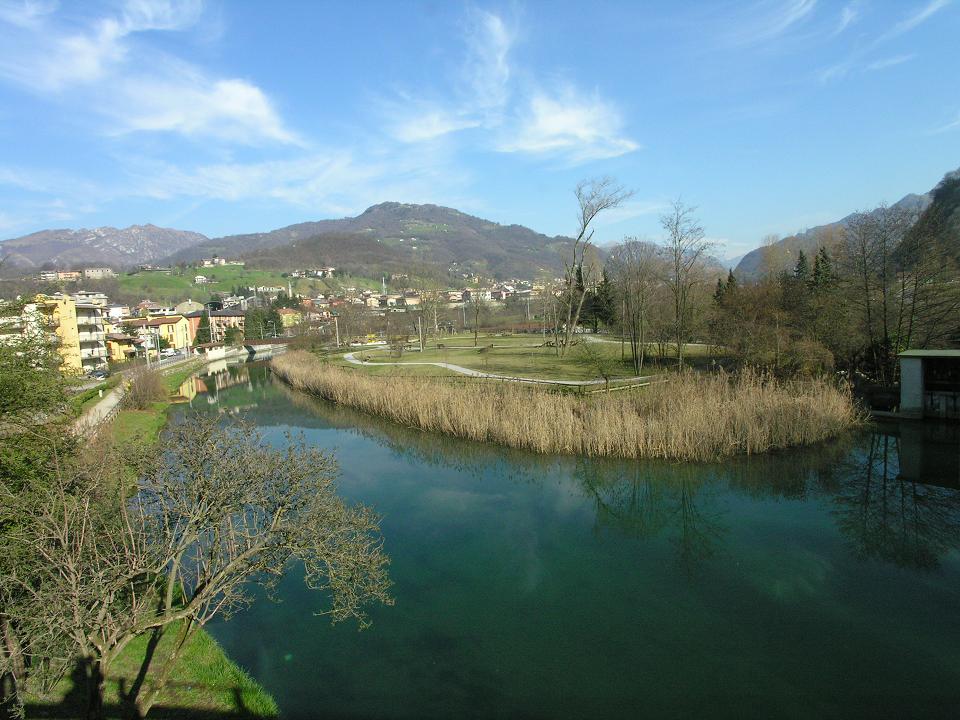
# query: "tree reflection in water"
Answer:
x=891 y=518
x=645 y=500
x=884 y=515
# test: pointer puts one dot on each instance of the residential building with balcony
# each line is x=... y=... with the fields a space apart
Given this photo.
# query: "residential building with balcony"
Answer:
x=172 y=329
x=91 y=336
x=221 y=320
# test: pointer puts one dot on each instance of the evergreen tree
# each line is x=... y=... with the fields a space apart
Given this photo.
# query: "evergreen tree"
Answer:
x=802 y=269
x=822 y=269
x=720 y=292
x=731 y=287
x=203 y=331
x=604 y=302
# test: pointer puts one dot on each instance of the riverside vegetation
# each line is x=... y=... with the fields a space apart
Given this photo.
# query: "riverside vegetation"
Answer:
x=116 y=551
x=692 y=417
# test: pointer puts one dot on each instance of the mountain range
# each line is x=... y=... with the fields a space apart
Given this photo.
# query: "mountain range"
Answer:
x=398 y=236
x=389 y=237
x=782 y=255
x=65 y=249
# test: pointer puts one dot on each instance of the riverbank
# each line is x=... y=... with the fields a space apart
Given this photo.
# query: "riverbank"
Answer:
x=205 y=683
x=696 y=417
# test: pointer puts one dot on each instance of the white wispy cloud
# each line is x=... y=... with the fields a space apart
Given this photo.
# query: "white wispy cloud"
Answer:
x=769 y=20
x=889 y=62
x=25 y=13
x=479 y=96
x=955 y=125
x=331 y=182
x=916 y=18
x=857 y=60
x=137 y=87
x=566 y=123
x=848 y=16
x=487 y=67
x=432 y=123
x=581 y=128
x=188 y=102
x=631 y=210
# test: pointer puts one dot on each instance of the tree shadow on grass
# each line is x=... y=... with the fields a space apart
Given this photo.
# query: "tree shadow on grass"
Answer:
x=73 y=704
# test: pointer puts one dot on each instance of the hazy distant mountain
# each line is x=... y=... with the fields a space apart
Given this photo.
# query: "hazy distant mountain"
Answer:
x=782 y=255
x=403 y=235
x=66 y=249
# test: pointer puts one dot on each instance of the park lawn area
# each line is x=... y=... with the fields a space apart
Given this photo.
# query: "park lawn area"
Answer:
x=518 y=356
x=384 y=370
x=178 y=285
x=204 y=683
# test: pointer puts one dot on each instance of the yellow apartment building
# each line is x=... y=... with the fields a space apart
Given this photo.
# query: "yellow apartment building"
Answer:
x=79 y=330
x=174 y=329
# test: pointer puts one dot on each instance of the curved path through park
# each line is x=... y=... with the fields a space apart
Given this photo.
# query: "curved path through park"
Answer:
x=350 y=357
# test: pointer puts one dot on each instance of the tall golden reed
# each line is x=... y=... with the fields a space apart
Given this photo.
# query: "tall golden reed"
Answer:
x=692 y=417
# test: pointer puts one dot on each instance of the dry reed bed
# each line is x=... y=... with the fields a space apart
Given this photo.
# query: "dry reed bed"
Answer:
x=692 y=417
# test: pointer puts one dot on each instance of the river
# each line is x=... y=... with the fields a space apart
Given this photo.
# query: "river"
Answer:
x=813 y=583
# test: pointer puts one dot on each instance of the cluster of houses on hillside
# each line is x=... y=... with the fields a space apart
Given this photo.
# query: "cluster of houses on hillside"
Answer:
x=323 y=272
x=90 y=273
x=217 y=261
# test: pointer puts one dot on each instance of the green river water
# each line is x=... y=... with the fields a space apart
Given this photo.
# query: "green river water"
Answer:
x=814 y=583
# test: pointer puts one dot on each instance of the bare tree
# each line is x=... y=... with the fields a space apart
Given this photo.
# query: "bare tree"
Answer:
x=635 y=267
x=216 y=511
x=478 y=307
x=593 y=197
x=881 y=288
x=686 y=248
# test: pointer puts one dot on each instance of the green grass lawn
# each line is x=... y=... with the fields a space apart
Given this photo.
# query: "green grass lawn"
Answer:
x=178 y=285
x=205 y=683
x=519 y=356
x=384 y=370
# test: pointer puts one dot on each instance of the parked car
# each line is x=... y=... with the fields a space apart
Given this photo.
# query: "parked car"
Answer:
x=168 y=352
x=99 y=375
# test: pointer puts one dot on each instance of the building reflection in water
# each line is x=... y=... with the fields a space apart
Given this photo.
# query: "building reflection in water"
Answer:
x=900 y=502
x=217 y=377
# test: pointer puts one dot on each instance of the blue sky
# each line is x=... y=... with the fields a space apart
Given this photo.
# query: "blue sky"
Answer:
x=222 y=117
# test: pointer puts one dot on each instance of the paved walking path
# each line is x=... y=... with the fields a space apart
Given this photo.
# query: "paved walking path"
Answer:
x=97 y=415
x=350 y=358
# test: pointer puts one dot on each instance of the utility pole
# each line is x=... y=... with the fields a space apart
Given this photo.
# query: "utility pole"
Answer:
x=336 y=329
x=420 y=332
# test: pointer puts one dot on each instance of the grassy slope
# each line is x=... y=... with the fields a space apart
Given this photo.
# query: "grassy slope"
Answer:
x=178 y=286
x=205 y=683
x=205 y=679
